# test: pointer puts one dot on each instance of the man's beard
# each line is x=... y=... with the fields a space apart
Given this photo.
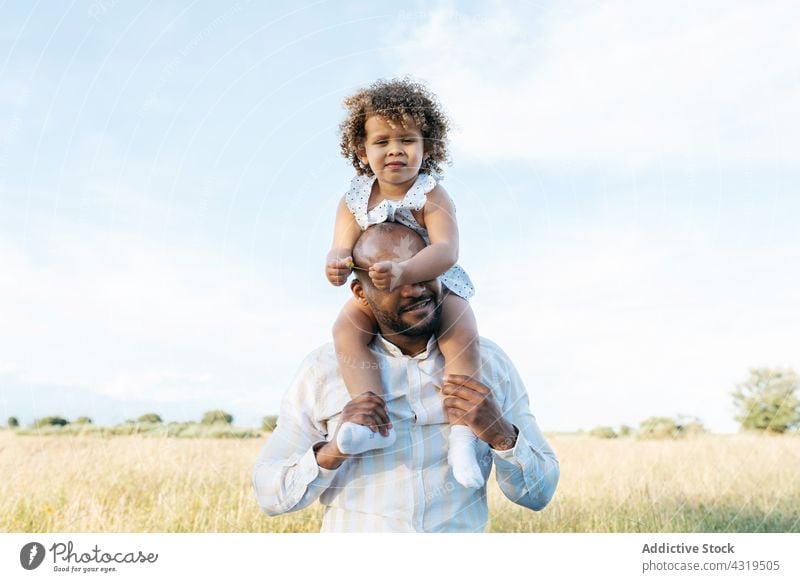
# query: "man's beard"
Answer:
x=394 y=322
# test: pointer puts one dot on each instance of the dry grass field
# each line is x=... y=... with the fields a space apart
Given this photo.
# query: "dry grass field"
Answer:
x=731 y=483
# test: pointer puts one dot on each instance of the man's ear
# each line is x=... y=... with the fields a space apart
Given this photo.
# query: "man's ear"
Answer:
x=358 y=291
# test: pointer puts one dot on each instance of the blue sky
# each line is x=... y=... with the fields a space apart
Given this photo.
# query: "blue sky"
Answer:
x=626 y=177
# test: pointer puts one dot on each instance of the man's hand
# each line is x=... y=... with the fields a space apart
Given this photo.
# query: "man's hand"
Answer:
x=469 y=402
x=338 y=270
x=368 y=409
x=386 y=275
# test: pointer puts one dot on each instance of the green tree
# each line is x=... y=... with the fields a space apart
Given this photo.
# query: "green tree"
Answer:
x=216 y=416
x=603 y=432
x=658 y=427
x=13 y=422
x=50 y=421
x=664 y=427
x=150 y=417
x=768 y=400
x=83 y=420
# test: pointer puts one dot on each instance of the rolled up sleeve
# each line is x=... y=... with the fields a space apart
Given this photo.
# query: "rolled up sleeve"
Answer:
x=286 y=476
x=528 y=472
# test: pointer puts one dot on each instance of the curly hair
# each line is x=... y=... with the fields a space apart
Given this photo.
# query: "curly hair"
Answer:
x=393 y=100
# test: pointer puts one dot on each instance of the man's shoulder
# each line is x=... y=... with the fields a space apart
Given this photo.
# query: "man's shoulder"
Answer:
x=317 y=381
x=321 y=351
x=496 y=365
x=320 y=360
x=323 y=360
x=490 y=349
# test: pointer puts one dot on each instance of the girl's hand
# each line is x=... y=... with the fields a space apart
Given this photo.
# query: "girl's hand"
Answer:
x=385 y=275
x=338 y=270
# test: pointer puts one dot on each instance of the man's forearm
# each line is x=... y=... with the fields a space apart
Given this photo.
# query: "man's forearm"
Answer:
x=528 y=473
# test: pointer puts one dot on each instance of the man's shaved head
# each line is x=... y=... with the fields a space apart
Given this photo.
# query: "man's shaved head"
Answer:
x=386 y=241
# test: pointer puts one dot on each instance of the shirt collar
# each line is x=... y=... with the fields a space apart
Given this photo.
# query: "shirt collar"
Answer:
x=431 y=349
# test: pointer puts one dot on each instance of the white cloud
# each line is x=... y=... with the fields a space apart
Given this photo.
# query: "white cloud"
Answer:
x=615 y=82
x=617 y=325
x=139 y=319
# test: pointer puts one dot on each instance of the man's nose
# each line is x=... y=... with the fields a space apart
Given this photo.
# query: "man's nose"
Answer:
x=412 y=290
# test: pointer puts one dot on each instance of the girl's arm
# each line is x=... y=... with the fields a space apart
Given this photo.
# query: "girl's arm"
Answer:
x=345 y=234
x=442 y=253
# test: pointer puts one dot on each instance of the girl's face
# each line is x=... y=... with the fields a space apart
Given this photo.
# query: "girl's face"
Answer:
x=395 y=154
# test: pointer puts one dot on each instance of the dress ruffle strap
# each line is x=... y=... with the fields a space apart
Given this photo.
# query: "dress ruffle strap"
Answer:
x=357 y=199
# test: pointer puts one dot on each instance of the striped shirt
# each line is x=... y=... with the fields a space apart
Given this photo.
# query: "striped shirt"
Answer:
x=407 y=487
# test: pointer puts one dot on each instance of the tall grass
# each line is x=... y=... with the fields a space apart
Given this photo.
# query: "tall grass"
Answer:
x=139 y=484
x=709 y=483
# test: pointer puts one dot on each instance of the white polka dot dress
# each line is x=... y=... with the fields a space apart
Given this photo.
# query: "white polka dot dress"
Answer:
x=400 y=211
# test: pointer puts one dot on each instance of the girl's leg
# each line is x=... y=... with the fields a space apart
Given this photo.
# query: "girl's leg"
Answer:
x=458 y=337
x=460 y=345
x=353 y=331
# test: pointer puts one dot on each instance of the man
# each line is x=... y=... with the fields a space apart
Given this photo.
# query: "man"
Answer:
x=407 y=486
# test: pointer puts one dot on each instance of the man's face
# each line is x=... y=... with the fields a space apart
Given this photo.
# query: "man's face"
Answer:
x=411 y=310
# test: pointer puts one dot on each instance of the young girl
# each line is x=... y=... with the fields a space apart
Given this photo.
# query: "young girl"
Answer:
x=394 y=135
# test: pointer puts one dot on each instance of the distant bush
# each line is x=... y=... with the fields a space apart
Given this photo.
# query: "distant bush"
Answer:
x=689 y=426
x=210 y=431
x=13 y=422
x=82 y=420
x=130 y=428
x=151 y=417
x=603 y=432
x=268 y=423
x=662 y=427
x=217 y=417
x=190 y=430
x=146 y=429
x=658 y=427
x=625 y=430
x=50 y=421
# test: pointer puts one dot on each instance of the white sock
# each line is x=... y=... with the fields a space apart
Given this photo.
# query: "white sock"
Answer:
x=462 y=458
x=353 y=439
